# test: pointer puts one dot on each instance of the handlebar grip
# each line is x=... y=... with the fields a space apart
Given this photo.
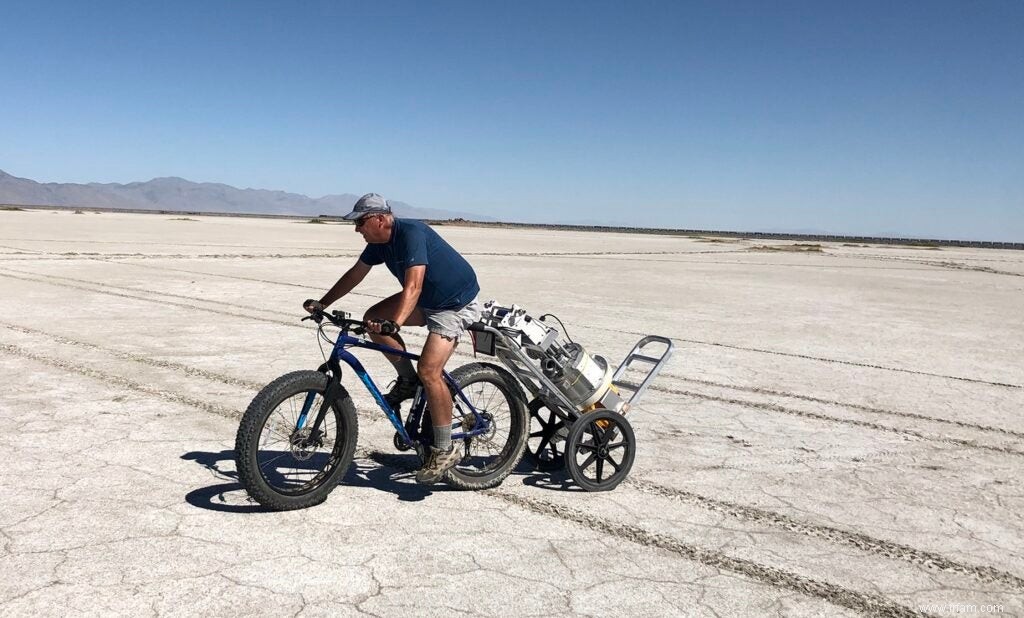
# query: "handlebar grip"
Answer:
x=388 y=327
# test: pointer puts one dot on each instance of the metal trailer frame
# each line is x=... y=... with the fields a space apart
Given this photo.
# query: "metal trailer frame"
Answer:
x=518 y=360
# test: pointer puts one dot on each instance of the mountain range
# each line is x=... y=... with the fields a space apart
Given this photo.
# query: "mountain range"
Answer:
x=178 y=194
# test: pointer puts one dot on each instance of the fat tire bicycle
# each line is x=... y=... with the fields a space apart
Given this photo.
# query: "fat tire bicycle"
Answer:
x=298 y=437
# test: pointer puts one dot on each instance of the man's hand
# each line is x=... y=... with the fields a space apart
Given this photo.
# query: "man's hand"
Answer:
x=383 y=327
x=312 y=305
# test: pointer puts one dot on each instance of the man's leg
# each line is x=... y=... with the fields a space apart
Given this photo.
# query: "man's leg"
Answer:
x=436 y=352
x=387 y=309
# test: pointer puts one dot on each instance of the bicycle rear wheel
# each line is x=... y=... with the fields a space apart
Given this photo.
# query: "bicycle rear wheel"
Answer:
x=491 y=456
x=286 y=466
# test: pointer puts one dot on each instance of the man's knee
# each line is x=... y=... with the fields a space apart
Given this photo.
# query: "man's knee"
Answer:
x=429 y=372
x=376 y=312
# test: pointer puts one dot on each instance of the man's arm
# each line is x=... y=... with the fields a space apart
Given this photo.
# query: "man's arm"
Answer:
x=349 y=280
x=410 y=292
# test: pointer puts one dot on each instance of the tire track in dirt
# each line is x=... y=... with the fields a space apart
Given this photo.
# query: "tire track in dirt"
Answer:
x=240 y=278
x=87 y=288
x=740 y=402
x=143 y=290
x=948 y=265
x=863 y=542
x=814 y=358
x=19 y=250
x=769 y=575
x=854 y=406
x=1018 y=262
x=774 y=264
x=122 y=242
x=774 y=407
x=585 y=253
x=870 y=604
x=119 y=381
x=137 y=358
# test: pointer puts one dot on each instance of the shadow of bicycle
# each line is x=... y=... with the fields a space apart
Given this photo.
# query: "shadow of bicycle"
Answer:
x=391 y=473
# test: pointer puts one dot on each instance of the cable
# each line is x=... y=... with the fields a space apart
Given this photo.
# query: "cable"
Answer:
x=320 y=338
x=564 y=332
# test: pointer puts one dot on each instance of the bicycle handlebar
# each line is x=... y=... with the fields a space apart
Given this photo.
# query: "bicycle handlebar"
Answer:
x=342 y=321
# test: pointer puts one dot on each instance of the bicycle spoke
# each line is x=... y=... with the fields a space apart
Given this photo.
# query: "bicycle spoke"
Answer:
x=264 y=464
x=487 y=405
x=282 y=436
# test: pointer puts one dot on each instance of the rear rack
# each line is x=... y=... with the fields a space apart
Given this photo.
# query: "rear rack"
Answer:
x=655 y=363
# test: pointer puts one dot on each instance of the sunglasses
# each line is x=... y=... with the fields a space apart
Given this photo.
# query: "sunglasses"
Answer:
x=360 y=222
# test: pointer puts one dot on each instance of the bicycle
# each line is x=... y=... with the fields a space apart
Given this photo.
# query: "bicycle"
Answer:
x=298 y=437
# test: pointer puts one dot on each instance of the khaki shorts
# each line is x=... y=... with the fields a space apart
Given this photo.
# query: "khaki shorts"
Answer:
x=451 y=323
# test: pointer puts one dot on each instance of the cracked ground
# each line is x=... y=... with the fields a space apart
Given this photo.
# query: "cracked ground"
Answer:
x=838 y=433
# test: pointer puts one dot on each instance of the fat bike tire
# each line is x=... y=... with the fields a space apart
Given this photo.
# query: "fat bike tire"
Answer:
x=491 y=457
x=265 y=437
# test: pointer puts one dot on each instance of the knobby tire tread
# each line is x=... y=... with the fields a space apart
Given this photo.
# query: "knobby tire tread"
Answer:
x=520 y=423
x=246 y=441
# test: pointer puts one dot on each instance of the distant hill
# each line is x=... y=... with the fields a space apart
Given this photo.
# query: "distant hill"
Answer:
x=179 y=194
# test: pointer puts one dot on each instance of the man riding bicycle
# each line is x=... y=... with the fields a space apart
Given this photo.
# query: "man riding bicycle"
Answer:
x=439 y=290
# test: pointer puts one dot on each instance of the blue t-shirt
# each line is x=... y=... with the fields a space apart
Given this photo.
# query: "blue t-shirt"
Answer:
x=449 y=282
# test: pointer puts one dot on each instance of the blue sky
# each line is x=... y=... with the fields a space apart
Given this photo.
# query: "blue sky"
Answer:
x=855 y=118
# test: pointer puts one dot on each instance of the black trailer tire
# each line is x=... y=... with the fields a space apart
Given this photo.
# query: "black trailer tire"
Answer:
x=598 y=439
x=545 y=443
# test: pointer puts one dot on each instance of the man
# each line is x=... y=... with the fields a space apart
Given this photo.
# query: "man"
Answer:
x=439 y=290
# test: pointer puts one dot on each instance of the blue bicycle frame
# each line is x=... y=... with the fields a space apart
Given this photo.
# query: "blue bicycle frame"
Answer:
x=341 y=353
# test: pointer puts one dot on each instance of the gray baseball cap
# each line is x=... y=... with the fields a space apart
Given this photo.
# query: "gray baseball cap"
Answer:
x=369 y=204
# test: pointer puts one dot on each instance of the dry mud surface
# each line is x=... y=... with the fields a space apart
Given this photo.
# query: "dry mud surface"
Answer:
x=839 y=432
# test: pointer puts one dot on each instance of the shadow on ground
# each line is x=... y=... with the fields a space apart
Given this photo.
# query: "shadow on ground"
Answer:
x=385 y=472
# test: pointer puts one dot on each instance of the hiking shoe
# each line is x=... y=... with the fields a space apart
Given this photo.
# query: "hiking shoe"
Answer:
x=404 y=388
x=438 y=462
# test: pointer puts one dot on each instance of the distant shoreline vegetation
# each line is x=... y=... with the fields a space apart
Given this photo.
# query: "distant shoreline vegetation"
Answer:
x=697 y=234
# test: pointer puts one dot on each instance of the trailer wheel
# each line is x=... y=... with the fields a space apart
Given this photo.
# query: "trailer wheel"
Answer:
x=545 y=446
x=599 y=450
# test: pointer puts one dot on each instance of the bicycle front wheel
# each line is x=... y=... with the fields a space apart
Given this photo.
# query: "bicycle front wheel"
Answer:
x=491 y=456
x=281 y=461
